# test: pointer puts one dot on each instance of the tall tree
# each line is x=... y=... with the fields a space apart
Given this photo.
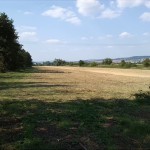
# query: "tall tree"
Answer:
x=8 y=41
x=11 y=49
x=24 y=59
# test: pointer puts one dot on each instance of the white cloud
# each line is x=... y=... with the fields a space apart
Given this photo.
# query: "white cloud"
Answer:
x=112 y=3
x=28 y=13
x=94 y=8
x=54 y=41
x=145 y=17
x=110 y=14
x=89 y=7
x=109 y=46
x=63 y=14
x=146 y=34
x=132 y=3
x=125 y=35
x=74 y=20
x=28 y=36
x=147 y=3
x=84 y=38
x=129 y=3
x=27 y=33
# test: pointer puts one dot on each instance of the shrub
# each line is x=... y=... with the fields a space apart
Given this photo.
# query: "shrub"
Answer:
x=127 y=64
x=107 y=61
x=123 y=63
x=146 y=62
x=81 y=63
x=59 y=62
x=94 y=64
x=143 y=97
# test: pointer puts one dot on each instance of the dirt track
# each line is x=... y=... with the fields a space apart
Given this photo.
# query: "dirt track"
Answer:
x=113 y=71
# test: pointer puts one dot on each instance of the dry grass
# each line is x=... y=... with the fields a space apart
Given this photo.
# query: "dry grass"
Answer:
x=71 y=108
x=67 y=83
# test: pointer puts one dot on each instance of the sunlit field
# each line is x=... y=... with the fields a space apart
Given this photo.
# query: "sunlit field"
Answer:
x=75 y=108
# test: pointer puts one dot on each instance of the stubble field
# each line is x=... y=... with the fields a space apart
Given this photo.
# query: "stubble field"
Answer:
x=75 y=108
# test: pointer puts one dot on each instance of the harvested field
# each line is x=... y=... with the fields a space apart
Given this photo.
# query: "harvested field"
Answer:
x=86 y=83
x=74 y=108
x=112 y=71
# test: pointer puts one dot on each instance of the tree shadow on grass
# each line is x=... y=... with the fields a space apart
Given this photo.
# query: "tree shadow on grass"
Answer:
x=8 y=85
x=38 y=70
x=76 y=125
x=19 y=74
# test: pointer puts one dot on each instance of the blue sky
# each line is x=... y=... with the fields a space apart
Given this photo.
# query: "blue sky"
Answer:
x=81 y=29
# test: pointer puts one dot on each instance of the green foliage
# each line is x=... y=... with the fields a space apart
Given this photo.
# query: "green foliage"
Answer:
x=11 y=49
x=124 y=64
x=146 y=62
x=24 y=59
x=107 y=61
x=81 y=63
x=2 y=65
x=94 y=64
x=71 y=63
x=59 y=62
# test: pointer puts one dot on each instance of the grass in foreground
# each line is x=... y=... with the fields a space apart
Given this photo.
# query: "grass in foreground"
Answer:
x=34 y=123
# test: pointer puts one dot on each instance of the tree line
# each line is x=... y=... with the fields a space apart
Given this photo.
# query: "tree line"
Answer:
x=12 y=55
x=108 y=62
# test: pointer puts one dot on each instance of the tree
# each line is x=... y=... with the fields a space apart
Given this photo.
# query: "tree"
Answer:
x=2 y=65
x=12 y=55
x=28 y=59
x=123 y=63
x=94 y=64
x=24 y=59
x=8 y=42
x=81 y=63
x=59 y=62
x=146 y=62
x=107 y=61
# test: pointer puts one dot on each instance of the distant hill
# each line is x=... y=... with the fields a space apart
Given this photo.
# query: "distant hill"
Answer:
x=133 y=59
